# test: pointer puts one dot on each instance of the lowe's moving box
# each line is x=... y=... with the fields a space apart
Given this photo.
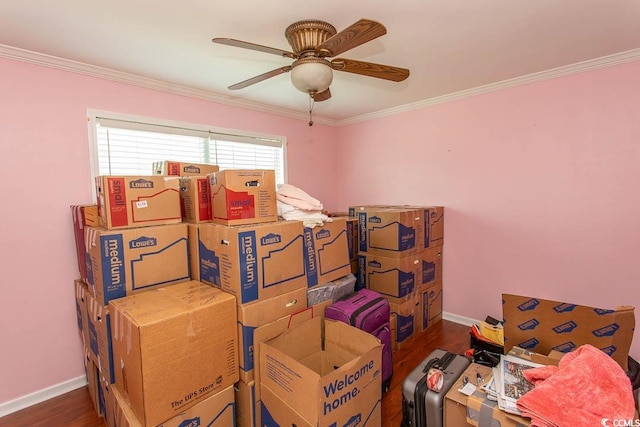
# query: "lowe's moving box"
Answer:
x=542 y=326
x=195 y=199
x=83 y=216
x=135 y=259
x=406 y=312
x=253 y=262
x=398 y=277
x=217 y=410
x=259 y=313
x=393 y=231
x=243 y=196
x=173 y=347
x=315 y=379
x=99 y=337
x=430 y=299
x=193 y=231
x=326 y=252
x=137 y=201
x=173 y=168
x=81 y=308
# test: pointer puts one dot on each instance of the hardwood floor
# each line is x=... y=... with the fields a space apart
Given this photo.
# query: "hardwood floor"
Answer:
x=75 y=409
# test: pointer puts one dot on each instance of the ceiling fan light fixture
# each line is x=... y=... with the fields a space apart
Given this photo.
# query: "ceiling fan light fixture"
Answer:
x=311 y=75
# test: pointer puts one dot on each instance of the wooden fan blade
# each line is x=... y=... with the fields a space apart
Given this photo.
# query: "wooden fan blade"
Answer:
x=370 y=69
x=356 y=34
x=261 y=77
x=253 y=46
x=322 y=96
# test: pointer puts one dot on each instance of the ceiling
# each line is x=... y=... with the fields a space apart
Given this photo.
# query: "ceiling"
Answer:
x=448 y=45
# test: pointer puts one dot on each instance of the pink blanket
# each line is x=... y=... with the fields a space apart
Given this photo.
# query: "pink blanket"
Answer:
x=587 y=388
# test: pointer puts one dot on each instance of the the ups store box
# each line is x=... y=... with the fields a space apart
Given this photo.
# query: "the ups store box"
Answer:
x=137 y=201
x=174 y=168
x=174 y=347
x=326 y=252
x=217 y=410
x=243 y=196
x=253 y=262
x=195 y=199
x=543 y=326
x=315 y=379
x=135 y=259
x=398 y=277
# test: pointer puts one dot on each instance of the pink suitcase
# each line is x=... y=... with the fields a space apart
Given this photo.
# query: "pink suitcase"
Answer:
x=369 y=311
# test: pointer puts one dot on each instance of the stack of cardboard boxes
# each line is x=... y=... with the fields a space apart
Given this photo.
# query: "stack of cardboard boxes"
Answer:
x=400 y=256
x=183 y=277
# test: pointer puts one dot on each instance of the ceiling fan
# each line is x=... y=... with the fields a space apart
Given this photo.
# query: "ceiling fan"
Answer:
x=312 y=42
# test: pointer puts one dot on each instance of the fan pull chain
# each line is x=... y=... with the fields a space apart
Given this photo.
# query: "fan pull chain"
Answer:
x=311 y=104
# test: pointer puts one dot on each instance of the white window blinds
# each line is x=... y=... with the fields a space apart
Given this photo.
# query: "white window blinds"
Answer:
x=129 y=147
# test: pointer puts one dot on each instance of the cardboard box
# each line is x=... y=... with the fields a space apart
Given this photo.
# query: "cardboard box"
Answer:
x=81 y=308
x=248 y=398
x=253 y=262
x=390 y=232
x=326 y=252
x=430 y=298
x=398 y=277
x=137 y=201
x=310 y=378
x=352 y=234
x=433 y=225
x=460 y=410
x=405 y=313
x=543 y=325
x=276 y=328
x=99 y=337
x=83 y=216
x=92 y=372
x=127 y=261
x=193 y=231
x=259 y=313
x=174 y=346
x=217 y=410
x=195 y=199
x=174 y=168
x=247 y=407
x=243 y=196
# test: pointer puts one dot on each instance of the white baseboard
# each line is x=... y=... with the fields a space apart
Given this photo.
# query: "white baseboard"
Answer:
x=39 y=396
x=467 y=321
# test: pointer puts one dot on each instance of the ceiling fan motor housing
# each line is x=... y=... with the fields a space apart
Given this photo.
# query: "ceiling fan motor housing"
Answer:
x=307 y=35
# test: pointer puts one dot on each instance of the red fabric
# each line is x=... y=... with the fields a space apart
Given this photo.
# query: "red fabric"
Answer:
x=586 y=387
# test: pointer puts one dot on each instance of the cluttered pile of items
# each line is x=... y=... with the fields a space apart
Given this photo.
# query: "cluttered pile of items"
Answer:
x=546 y=364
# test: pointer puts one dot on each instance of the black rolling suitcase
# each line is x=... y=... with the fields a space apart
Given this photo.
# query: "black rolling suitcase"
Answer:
x=421 y=404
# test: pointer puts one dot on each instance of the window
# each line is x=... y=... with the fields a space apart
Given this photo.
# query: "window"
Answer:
x=127 y=145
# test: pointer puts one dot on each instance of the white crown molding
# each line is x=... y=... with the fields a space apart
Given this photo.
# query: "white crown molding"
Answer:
x=39 y=396
x=36 y=58
x=145 y=82
x=593 y=64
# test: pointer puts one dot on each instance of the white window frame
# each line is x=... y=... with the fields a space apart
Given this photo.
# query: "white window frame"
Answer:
x=94 y=115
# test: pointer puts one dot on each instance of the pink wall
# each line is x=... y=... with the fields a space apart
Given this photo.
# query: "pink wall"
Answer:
x=538 y=182
x=540 y=185
x=44 y=158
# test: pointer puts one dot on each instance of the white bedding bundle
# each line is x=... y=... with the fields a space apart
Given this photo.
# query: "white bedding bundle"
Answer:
x=295 y=204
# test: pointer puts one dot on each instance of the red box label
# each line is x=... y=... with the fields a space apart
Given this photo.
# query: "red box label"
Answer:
x=240 y=205
x=117 y=202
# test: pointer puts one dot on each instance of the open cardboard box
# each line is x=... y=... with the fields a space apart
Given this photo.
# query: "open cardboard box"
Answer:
x=543 y=326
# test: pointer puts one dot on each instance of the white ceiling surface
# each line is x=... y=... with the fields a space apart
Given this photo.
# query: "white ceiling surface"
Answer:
x=448 y=45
